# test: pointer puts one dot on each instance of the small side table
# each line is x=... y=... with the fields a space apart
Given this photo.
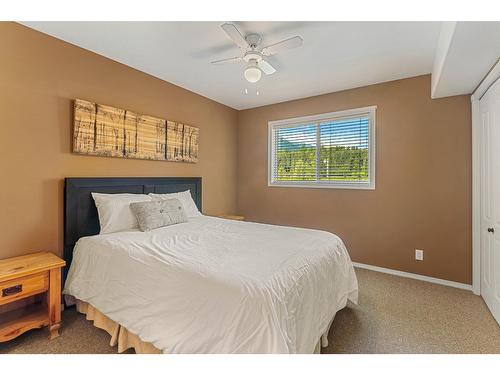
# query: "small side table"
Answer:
x=230 y=217
x=39 y=275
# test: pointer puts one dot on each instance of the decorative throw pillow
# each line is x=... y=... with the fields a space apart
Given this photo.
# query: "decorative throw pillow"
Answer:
x=159 y=213
x=186 y=199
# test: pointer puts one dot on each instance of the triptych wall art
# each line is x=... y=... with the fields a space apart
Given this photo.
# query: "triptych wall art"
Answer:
x=102 y=130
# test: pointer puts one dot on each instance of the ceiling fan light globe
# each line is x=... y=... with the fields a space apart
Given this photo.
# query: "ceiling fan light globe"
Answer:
x=252 y=74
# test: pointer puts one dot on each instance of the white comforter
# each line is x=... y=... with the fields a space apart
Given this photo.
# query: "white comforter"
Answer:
x=217 y=286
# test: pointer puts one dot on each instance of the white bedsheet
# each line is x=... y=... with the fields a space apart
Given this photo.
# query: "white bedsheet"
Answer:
x=217 y=286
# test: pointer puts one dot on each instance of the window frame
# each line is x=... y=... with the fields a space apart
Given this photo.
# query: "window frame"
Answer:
x=317 y=119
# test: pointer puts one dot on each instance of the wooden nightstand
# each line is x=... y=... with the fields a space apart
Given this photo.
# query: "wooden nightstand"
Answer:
x=231 y=217
x=36 y=275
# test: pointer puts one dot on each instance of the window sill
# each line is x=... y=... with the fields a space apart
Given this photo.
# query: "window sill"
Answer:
x=351 y=186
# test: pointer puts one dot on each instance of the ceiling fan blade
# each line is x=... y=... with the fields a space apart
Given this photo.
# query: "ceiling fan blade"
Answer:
x=230 y=60
x=266 y=67
x=235 y=35
x=273 y=49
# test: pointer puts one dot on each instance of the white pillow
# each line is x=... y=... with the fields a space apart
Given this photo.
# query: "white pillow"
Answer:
x=114 y=211
x=186 y=199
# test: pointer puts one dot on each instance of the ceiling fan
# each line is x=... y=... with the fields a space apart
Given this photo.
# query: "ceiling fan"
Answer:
x=253 y=54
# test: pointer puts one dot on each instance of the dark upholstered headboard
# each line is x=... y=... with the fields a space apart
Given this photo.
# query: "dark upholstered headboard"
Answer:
x=80 y=212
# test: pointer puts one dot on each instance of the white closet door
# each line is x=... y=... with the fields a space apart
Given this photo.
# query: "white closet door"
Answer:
x=490 y=199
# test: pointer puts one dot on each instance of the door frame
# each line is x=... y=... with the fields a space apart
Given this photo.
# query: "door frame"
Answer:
x=490 y=78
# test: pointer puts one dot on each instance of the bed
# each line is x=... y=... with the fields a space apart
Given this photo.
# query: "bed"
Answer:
x=209 y=285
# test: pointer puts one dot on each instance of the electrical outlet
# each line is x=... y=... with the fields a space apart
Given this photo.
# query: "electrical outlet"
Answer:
x=419 y=254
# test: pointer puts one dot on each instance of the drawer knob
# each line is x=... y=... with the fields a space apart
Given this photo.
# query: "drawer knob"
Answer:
x=12 y=290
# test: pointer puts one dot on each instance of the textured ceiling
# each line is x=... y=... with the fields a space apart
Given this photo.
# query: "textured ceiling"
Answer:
x=335 y=55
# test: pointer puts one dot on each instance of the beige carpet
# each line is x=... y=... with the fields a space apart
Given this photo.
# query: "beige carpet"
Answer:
x=394 y=315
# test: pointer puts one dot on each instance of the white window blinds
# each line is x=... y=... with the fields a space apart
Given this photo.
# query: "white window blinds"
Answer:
x=329 y=150
x=295 y=153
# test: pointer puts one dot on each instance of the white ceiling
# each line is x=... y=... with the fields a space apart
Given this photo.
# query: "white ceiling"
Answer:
x=335 y=55
x=465 y=53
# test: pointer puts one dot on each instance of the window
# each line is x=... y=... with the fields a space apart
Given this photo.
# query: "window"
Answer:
x=334 y=150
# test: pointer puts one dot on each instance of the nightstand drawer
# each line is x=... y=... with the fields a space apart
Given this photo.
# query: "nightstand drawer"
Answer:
x=22 y=287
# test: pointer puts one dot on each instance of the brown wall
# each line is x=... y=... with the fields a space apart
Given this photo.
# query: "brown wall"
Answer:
x=39 y=77
x=423 y=180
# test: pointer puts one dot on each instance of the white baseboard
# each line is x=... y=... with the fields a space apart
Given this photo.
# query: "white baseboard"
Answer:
x=415 y=276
